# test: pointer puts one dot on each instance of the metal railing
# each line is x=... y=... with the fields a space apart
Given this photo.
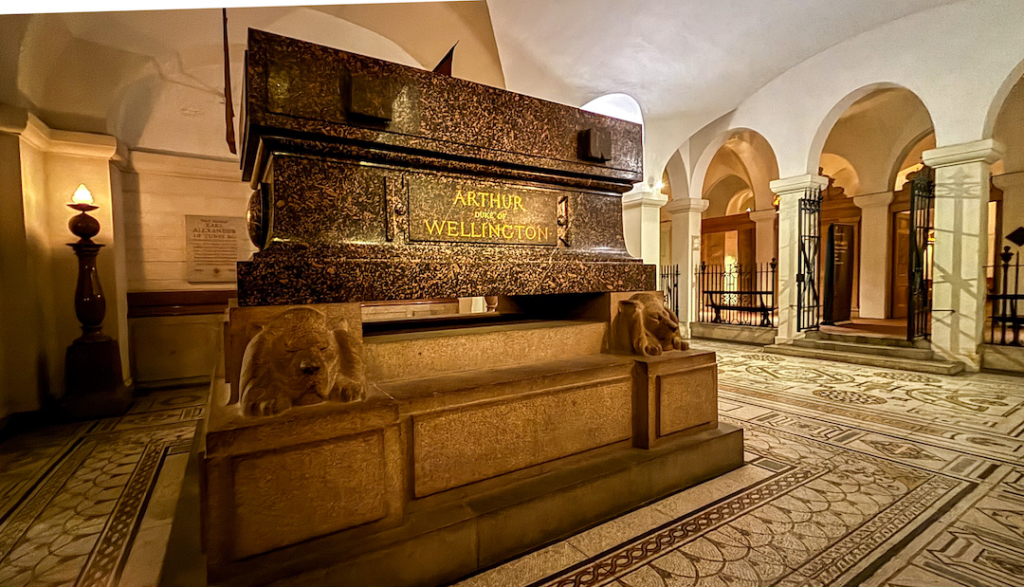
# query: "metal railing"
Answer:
x=736 y=294
x=670 y=287
x=1006 y=301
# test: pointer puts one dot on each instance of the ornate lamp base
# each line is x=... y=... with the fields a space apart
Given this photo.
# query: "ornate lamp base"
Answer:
x=94 y=387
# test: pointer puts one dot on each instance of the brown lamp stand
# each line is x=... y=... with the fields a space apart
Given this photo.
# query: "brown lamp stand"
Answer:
x=93 y=384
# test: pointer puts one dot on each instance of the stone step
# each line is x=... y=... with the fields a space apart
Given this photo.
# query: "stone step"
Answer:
x=866 y=349
x=873 y=340
x=888 y=362
x=420 y=354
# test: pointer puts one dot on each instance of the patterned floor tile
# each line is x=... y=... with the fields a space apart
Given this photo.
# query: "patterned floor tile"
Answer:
x=877 y=477
x=75 y=497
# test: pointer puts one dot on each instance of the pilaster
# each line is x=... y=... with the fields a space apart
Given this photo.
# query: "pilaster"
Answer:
x=764 y=234
x=790 y=190
x=686 y=219
x=960 y=251
x=875 y=242
x=641 y=218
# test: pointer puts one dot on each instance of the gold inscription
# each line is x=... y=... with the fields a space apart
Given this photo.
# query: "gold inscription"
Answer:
x=479 y=214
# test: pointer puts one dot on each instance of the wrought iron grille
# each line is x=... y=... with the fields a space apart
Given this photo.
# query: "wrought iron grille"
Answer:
x=919 y=275
x=734 y=294
x=808 y=301
x=670 y=287
x=1006 y=303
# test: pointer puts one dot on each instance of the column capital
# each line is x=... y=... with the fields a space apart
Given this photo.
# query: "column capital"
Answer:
x=687 y=206
x=798 y=183
x=764 y=215
x=643 y=196
x=984 y=151
x=873 y=200
x=1009 y=180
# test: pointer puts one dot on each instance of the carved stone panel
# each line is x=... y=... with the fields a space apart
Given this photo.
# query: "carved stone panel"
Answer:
x=285 y=497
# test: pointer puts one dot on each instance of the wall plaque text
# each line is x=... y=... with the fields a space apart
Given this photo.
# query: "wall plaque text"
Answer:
x=445 y=210
x=213 y=244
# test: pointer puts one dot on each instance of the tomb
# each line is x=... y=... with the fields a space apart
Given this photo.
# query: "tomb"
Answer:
x=417 y=452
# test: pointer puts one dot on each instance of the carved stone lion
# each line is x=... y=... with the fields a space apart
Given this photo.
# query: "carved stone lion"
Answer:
x=297 y=360
x=646 y=327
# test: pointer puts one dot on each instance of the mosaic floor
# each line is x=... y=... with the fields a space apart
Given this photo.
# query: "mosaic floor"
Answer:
x=91 y=504
x=854 y=476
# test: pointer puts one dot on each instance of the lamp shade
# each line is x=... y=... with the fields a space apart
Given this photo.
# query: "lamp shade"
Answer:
x=82 y=195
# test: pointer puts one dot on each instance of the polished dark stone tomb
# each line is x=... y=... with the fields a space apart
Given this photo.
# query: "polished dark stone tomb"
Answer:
x=377 y=181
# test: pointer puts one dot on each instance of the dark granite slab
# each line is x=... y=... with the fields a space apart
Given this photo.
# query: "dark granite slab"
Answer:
x=378 y=181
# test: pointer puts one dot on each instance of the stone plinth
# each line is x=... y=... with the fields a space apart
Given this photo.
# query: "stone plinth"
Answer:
x=469 y=464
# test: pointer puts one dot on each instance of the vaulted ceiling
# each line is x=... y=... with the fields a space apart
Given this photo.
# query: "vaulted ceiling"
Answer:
x=154 y=78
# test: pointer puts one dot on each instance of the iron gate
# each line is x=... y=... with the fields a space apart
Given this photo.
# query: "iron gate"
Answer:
x=919 y=269
x=808 y=301
x=670 y=286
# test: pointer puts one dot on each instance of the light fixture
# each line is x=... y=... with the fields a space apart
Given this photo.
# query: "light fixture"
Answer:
x=93 y=382
x=82 y=195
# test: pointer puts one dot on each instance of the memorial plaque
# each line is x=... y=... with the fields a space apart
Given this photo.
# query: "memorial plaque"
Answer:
x=213 y=245
x=481 y=212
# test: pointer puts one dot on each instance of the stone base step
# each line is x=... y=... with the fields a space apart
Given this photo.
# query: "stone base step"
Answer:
x=866 y=349
x=888 y=362
x=872 y=340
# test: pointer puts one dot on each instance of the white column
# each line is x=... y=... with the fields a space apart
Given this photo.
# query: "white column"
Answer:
x=961 y=246
x=790 y=190
x=686 y=217
x=764 y=234
x=641 y=219
x=875 y=241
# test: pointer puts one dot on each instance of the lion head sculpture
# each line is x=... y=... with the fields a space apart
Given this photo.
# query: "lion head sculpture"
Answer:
x=645 y=326
x=297 y=360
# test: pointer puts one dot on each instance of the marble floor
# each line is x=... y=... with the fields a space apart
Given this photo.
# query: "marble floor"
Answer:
x=853 y=476
x=91 y=504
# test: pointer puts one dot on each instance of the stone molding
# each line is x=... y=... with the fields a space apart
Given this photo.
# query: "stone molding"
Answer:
x=764 y=215
x=687 y=206
x=173 y=165
x=1009 y=180
x=797 y=184
x=26 y=125
x=984 y=151
x=645 y=197
x=873 y=200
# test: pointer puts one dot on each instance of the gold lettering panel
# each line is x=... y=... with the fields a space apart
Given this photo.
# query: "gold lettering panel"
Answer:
x=447 y=210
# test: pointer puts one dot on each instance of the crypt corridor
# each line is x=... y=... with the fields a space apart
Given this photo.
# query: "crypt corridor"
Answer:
x=826 y=198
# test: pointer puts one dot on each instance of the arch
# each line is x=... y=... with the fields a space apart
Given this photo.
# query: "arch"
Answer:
x=617 y=105
x=999 y=99
x=742 y=201
x=900 y=163
x=722 y=192
x=842 y=172
x=871 y=129
x=1009 y=130
x=833 y=115
x=678 y=176
x=761 y=149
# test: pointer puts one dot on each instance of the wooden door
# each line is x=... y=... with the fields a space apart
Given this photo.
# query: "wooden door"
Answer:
x=900 y=263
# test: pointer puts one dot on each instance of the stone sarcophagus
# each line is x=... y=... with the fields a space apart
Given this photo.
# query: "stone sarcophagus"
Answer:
x=346 y=451
x=377 y=181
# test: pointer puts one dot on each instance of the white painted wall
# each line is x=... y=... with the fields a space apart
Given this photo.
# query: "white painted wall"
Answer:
x=159 y=191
